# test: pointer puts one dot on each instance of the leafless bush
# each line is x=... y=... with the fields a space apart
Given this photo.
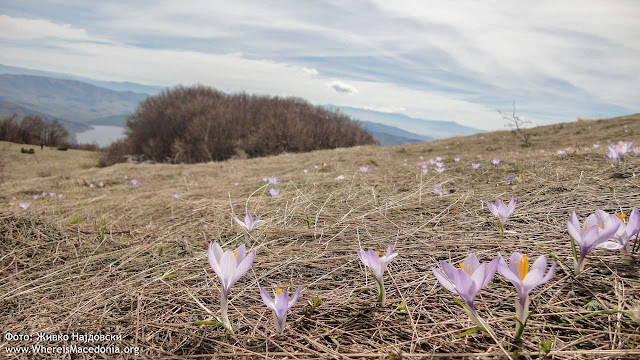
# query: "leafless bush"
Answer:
x=517 y=125
x=114 y=154
x=33 y=130
x=198 y=124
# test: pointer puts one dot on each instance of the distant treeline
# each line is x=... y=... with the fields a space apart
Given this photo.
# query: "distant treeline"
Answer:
x=199 y=124
x=33 y=130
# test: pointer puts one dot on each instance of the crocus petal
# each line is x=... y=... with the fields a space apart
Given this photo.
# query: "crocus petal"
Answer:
x=465 y=287
x=267 y=299
x=294 y=298
x=443 y=280
x=472 y=261
x=363 y=257
x=240 y=252
x=228 y=266
x=574 y=232
x=213 y=261
x=610 y=245
x=243 y=267
x=448 y=269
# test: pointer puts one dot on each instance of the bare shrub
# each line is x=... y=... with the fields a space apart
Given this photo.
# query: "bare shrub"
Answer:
x=114 y=153
x=198 y=124
x=517 y=125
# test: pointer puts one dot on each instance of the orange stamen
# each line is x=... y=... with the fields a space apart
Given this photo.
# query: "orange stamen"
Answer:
x=378 y=253
x=468 y=268
x=621 y=216
x=279 y=292
x=235 y=253
x=523 y=266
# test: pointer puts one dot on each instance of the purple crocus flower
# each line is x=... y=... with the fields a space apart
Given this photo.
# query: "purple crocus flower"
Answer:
x=274 y=192
x=101 y=184
x=273 y=180
x=24 y=205
x=280 y=305
x=35 y=197
x=437 y=189
x=230 y=267
x=177 y=195
x=525 y=279
x=433 y=161
x=135 y=182
x=619 y=150
x=305 y=171
x=495 y=162
x=44 y=193
x=13 y=198
x=456 y=159
x=596 y=232
x=425 y=170
x=249 y=223
x=475 y=166
x=440 y=167
x=627 y=230
x=377 y=265
x=636 y=150
x=60 y=196
x=364 y=169
x=265 y=179
x=502 y=211
x=467 y=281
x=340 y=177
x=596 y=145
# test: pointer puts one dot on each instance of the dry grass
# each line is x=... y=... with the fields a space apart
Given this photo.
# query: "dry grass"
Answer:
x=98 y=260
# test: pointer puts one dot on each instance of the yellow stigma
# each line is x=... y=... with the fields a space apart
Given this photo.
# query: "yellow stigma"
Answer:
x=621 y=216
x=468 y=268
x=523 y=266
x=235 y=253
x=279 y=292
x=378 y=253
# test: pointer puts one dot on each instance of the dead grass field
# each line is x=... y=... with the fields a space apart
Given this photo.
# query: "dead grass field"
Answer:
x=120 y=259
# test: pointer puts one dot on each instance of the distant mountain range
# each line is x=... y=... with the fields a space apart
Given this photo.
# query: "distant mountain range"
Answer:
x=80 y=103
x=430 y=128
x=112 y=85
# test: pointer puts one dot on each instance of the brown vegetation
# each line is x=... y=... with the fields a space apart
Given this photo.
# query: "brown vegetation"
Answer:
x=120 y=259
x=199 y=124
x=33 y=130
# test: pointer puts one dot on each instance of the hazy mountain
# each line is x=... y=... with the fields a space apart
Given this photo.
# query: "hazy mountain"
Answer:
x=113 y=120
x=389 y=135
x=67 y=99
x=112 y=85
x=8 y=109
x=431 y=128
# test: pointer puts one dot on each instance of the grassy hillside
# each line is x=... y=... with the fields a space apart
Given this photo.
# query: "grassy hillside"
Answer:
x=120 y=259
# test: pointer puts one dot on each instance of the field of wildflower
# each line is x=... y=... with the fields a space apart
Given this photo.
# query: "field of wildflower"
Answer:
x=470 y=247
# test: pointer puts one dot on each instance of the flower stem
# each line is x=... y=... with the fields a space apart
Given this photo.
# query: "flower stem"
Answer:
x=381 y=293
x=224 y=306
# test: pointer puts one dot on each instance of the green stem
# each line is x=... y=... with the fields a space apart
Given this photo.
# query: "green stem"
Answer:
x=224 y=306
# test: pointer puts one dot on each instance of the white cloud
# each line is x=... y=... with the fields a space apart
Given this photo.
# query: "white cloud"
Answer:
x=310 y=71
x=20 y=29
x=340 y=87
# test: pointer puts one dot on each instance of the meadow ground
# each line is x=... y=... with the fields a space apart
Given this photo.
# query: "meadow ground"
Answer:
x=121 y=259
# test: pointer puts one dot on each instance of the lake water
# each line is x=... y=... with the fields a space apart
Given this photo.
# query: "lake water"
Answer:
x=101 y=135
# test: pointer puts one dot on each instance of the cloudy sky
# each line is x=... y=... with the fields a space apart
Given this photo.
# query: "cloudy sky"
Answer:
x=439 y=60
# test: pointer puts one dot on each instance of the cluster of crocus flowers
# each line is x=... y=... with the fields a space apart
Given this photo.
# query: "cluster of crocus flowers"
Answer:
x=280 y=305
x=594 y=233
x=467 y=280
x=230 y=267
x=525 y=279
x=249 y=223
x=618 y=151
x=502 y=211
x=440 y=167
x=377 y=264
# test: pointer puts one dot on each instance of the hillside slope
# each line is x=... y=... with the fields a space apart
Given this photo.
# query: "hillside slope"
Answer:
x=66 y=99
x=139 y=252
